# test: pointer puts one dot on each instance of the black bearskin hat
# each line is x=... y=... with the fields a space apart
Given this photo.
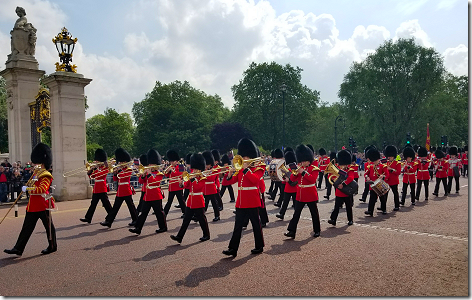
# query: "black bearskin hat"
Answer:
x=187 y=158
x=332 y=155
x=354 y=158
x=322 y=151
x=197 y=161
x=390 y=151
x=172 y=155
x=408 y=152
x=311 y=148
x=416 y=147
x=225 y=159
x=453 y=150
x=433 y=149
x=272 y=153
x=466 y=148
x=246 y=147
x=100 y=155
x=153 y=157
x=439 y=154
x=290 y=157
x=287 y=149
x=373 y=154
x=209 y=159
x=216 y=154
x=143 y=160
x=278 y=153
x=303 y=153
x=42 y=154
x=368 y=148
x=121 y=155
x=343 y=157
x=422 y=152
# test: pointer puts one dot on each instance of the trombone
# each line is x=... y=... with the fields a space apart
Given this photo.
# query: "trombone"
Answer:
x=238 y=161
x=88 y=167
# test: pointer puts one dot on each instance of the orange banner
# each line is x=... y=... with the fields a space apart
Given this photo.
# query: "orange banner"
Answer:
x=428 y=139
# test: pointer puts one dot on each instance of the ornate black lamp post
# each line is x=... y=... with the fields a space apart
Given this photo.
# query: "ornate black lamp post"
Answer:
x=65 y=46
x=283 y=88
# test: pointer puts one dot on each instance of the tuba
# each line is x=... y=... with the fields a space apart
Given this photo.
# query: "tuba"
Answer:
x=339 y=176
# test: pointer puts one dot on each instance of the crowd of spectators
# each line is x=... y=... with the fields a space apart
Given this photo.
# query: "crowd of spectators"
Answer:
x=12 y=177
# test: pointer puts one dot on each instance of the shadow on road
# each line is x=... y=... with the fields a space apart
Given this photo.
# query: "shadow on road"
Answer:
x=218 y=270
x=90 y=233
x=289 y=245
x=14 y=259
x=123 y=241
x=169 y=250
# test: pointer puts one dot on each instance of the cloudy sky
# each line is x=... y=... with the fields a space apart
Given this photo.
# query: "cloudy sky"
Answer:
x=126 y=46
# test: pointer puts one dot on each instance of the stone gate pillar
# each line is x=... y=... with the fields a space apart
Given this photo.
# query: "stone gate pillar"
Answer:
x=66 y=91
x=22 y=84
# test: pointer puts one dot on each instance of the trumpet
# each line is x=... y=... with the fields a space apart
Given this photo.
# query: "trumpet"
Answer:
x=122 y=165
x=142 y=169
x=88 y=167
x=238 y=161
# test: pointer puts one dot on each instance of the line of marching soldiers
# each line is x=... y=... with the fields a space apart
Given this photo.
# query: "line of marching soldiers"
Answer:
x=197 y=184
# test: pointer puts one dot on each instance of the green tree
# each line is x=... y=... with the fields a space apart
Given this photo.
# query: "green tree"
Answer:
x=111 y=131
x=225 y=136
x=176 y=116
x=385 y=94
x=259 y=104
x=91 y=148
x=3 y=117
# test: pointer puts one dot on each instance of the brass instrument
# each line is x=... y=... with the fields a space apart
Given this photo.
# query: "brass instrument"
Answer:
x=339 y=177
x=238 y=161
x=88 y=167
x=332 y=169
x=142 y=169
x=122 y=165
x=286 y=170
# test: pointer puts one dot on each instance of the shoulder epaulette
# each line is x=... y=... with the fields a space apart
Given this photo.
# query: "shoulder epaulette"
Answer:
x=45 y=173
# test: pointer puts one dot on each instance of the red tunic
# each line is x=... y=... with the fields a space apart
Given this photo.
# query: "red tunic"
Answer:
x=453 y=163
x=123 y=177
x=248 y=187
x=195 y=197
x=423 y=172
x=323 y=162
x=442 y=168
x=152 y=184
x=307 y=191
x=349 y=179
x=174 y=172
x=100 y=177
x=355 y=168
x=409 y=172
x=393 y=178
x=143 y=180
x=210 y=183
x=374 y=172
x=465 y=159
x=37 y=202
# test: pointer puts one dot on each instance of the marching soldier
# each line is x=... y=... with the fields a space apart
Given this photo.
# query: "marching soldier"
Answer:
x=39 y=204
x=454 y=169
x=122 y=174
x=366 y=166
x=278 y=154
x=374 y=171
x=441 y=168
x=409 y=174
x=173 y=171
x=332 y=156
x=355 y=167
x=465 y=161
x=423 y=173
x=188 y=169
x=307 y=193
x=225 y=184
x=344 y=161
x=394 y=168
x=291 y=187
x=323 y=161
x=216 y=156
x=248 y=201
x=144 y=162
x=153 y=196
x=196 y=202
x=272 y=182
x=100 y=189
x=210 y=192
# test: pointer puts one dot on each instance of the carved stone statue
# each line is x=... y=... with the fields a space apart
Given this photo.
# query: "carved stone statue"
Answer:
x=23 y=35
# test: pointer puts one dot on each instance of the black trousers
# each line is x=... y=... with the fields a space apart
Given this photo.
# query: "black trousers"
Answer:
x=159 y=212
x=230 y=191
x=214 y=204
x=412 y=192
x=286 y=201
x=396 y=197
x=426 y=189
x=338 y=202
x=320 y=179
x=438 y=181
x=219 y=200
x=449 y=183
x=93 y=204
x=170 y=199
x=373 y=200
x=315 y=217
x=465 y=170
x=366 y=191
x=282 y=194
x=140 y=204
x=199 y=214
x=116 y=207
x=243 y=215
x=271 y=188
x=278 y=186
x=328 y=186
x=31 y=218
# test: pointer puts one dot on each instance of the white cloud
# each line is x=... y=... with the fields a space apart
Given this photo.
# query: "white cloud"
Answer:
x=456 y=60
x=412 y=29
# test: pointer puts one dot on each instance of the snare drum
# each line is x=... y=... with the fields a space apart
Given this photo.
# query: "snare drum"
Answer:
x=380 y=187
x=274 y=169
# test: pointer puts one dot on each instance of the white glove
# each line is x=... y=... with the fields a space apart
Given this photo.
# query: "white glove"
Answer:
x=24 y=188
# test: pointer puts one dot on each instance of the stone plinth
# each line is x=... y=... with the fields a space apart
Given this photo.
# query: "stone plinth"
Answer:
x=22 y=83
x=66 y=92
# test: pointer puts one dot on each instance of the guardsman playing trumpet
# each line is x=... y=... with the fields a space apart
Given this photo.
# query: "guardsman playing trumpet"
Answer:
x=99 y=175
x=307 y=194
x=39 y=204
x=195 y=202
x=374 y=171
x=394 y=168
x=249 y=200
x=173 y=171
x=343 y=159
x=423 y=173
x=122 y=173
x=153 y=196
x=409 y=174
x=210 y=191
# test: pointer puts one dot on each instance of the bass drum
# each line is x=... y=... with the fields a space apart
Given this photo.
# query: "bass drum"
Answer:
x=274 y=170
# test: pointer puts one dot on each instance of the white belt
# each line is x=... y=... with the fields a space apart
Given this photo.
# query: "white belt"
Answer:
x=247 y=188
x=306 y=185
x=123 y=183
x=101 y=180
x=211 y=182
x=423 y=170
x=196 y=194
x=411 y=173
